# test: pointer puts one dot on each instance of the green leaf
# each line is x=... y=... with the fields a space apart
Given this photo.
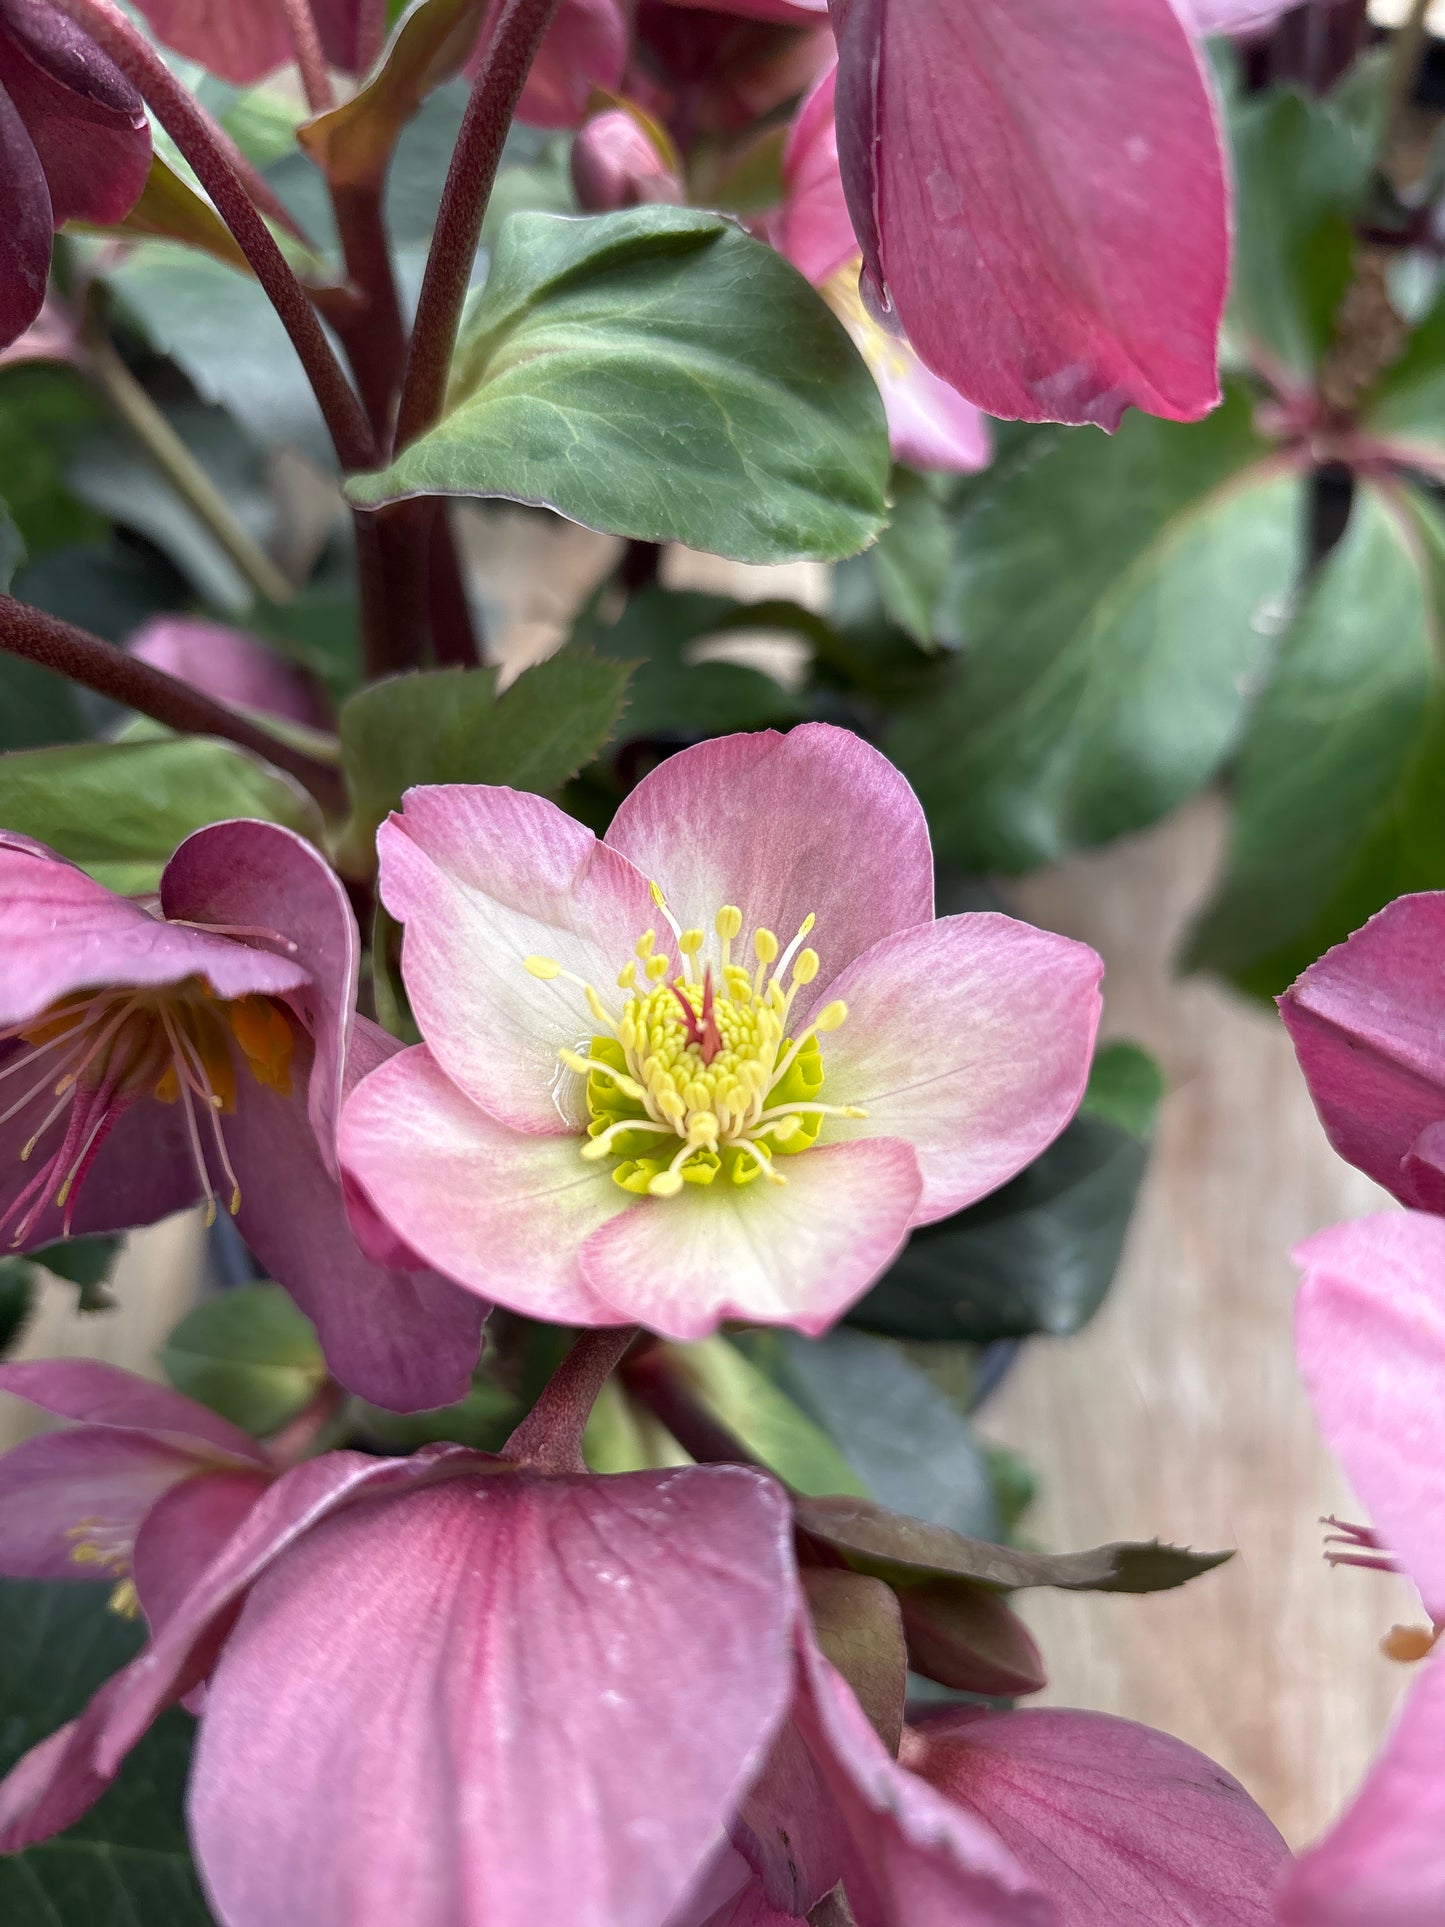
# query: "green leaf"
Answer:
x=1406 y=407
x=905 y=1550
x=170 y=209
x=1302 y=169
x=1339 y=797
x=660 y=375
x=1116 y=601
x=86 y=1263
x=44 y=414
x=127 y=1860
x=18 y=1292
x=672 y=694
x=120 y=809
x=450 y=726
x=770 y=1424
x=902 y=1435
x=913 y=556
x=1039 y=1254
x=250 y=1354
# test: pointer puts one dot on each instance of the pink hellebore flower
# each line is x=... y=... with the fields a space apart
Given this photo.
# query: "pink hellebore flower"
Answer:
x=440 y=1664
x=148 y=1060
x=1371 y=1340
x=75 y=145
x=142 y=1493
x=244 y=40
x=616 y=163
x=929 y=423
x=607 y=1127
x=1039 y=192
x=235 y=668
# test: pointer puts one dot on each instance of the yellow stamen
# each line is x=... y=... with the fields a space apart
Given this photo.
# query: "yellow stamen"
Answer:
x=545 y=968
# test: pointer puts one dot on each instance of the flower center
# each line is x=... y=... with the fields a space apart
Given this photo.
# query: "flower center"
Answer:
x=95 y=1053
x=696 y=1075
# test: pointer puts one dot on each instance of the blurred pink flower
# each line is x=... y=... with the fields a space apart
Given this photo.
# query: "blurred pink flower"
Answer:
x=616 y=163
x=1370 y=1331
x=601 y=1128
x=143 y=1492
x=231 y=666
x=75 y=145
x=149 y=1060
x=244 y=40
x=585 y=48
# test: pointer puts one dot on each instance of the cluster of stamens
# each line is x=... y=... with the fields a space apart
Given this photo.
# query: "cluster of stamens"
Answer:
x=108 y=1547
x=96 y=1053
x=696 y=1074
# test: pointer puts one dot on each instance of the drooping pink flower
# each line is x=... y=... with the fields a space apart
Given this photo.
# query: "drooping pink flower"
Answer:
x=1368 y=1026
x=743 y=1117
x=150 y=1060
x=141 y=1493
x=1039 y=190
x=1370 y=1328
x=231 y=666
x=929 y=423
x=74 y=145
x=244 y=40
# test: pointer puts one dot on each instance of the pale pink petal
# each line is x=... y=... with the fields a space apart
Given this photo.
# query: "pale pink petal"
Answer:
x=261 y=878
x=1041 y=190
x=750 y=1908
x=1114 y=1821
x=484 y=878
x=503 y=1212
x=1383 y=1864
x=235 y=668
x=49 y=1787
x=971 y=1039
x=1368 y=1026
x=816 y=821
x=51 y=1486
x=1370 y=1332
x=929 y=424
x=540 y=1698
x=815 y=229
x=404 y=1339
x=104 y=1395
x=184 y=1530
x=616 y=164
x=915 y=1859
x=60 y=932
x=795 y=1254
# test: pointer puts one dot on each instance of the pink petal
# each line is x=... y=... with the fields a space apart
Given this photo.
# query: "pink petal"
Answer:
x=585 y=48
x=104 y=1395
x=815 y=230
x=235 y=668
x=240 y=42
x=1383 y=1864
x=1042 y=192
x=969 y=1038
x=484 y=878
x=915 y=1858
x=1232 y=16
x=1369 y=1031
x=1370 y=1332
x=52 y=1785
x=184 y=1530
x=615 y=164
x=51 y=1484
x=929 y=424
x=27 y=226
x=1114 y=1821
x=404 y=1339
x=503 y=1212
x=796 y=1254
x=260 y=877
x=750 y=1908
x=61 y=932
x=540 y=1700
x=785 y=826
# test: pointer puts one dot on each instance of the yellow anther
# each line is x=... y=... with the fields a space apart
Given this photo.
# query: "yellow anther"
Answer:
x=831 y=1017
x=666 y=1184
x=627 y=976
x=125 y=1600
x=546 y=968
x=658 y=899
x=658 y=966
x=806 y=928
x=765 y=946
x=644 y=943
x=596 y=1005
x=691 y=941
x=587 y=1066
x=806 y=968
x=1408 y=1645
x=729 y=922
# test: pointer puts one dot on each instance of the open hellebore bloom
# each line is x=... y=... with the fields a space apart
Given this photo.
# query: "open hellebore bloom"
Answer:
x=150 y=1060
x=244 y=40
x=75 y=145
x=929 y=423
x=1371 y=1340
x=716 y=1065
x=141 y=1493
x=486 y=1640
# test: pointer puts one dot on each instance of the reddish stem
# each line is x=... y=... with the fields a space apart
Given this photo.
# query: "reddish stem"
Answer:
x=198 y=138
x=550 y=1436
x=516 y=37
x=97 y=665
x=310 y=59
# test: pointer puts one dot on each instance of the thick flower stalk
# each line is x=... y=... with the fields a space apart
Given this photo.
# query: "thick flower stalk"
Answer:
x=717 y=1065
x=200 y=1050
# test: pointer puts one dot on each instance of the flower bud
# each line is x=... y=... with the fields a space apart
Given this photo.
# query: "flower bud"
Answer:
x=616 y=163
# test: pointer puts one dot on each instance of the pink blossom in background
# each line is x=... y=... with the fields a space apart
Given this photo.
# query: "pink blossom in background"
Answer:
x=1370 y=1332
x=244 y=40
x=617 y=163
x=75 y=145
x=147 y=1061
x=585 y=48
x=235 y=668
x=750 y=1132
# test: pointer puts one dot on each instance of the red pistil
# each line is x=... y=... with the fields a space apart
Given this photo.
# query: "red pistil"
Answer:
x=702 y=1031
